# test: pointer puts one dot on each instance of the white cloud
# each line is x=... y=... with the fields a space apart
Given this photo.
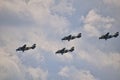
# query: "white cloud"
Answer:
x=37 y=12
x=91 y=30
x=38 y=74
x=112 y=2
x=84 y=75
x=76 y=74
x=101 y=59
x=68 y=57
x=64 y=72
x=10 y=69
x=95 y=23
x=42 y=14
x=64 y=7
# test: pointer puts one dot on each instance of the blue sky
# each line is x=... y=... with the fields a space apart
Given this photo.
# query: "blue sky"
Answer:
x=45 y=22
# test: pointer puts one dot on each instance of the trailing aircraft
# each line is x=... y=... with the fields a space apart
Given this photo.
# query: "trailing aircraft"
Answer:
x=24 y=48
x=63 y=51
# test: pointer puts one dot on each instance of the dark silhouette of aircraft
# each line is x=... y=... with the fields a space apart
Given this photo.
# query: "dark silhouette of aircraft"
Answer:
x=63 y=51
x=108 y=36
x=24 y=48
x=70 y=37
x=116 y=34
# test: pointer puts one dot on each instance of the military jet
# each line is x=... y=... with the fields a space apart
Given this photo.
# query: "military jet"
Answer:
x=108 y=36
x=24 y=48
x=70 y=37
x=63 y=51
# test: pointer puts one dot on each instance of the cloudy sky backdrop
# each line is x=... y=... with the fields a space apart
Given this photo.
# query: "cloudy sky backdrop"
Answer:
x=45 y=22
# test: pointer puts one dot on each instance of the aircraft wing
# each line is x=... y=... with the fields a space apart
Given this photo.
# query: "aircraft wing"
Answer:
x=67 y=38
x=24 y=46
x=21 y=48
x=60 y=51
x=107 y=34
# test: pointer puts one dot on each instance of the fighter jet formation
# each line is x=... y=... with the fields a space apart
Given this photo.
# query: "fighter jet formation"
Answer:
x=70 y=37
x=108 y=36
x=64 y=50
x=24 y=48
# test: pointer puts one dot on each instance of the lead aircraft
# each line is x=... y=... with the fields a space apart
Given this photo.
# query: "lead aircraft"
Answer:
x=108 y=36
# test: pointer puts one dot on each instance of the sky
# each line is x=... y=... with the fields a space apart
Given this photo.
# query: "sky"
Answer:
x=45 y=22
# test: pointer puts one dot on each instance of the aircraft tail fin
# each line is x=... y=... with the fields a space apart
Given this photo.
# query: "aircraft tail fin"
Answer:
x=72 y=49
x=33 y=46
x=107 y=33
x=79 y=35
x=116 y=34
